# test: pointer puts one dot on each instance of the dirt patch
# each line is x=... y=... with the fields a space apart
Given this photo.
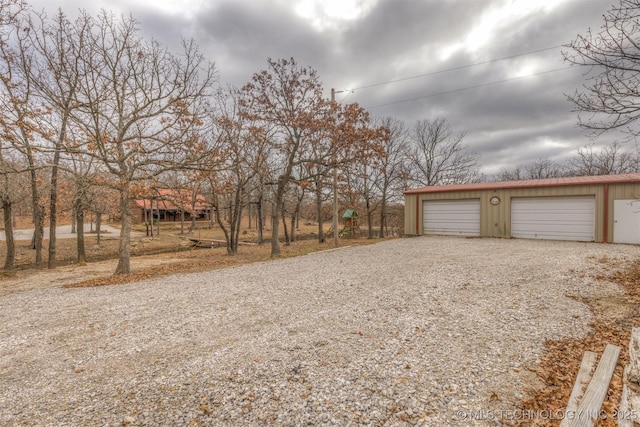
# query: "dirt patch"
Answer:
x=614 y=318
x=168 y=253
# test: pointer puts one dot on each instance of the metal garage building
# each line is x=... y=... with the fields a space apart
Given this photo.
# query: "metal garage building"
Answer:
x=602 y=208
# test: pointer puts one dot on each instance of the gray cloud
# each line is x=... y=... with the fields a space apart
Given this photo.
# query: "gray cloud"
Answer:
x=508 y=123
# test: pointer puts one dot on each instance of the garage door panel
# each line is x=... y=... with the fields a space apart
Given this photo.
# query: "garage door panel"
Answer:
x=554 y=218
x=452 y=217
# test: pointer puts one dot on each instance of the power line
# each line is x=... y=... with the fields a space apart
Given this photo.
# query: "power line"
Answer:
x=469 y=87
x=455 y=68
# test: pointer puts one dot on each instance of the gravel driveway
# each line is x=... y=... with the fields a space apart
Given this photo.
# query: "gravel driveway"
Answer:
x=424 y=331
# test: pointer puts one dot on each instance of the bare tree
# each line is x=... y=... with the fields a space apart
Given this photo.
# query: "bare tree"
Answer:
x=237 y=159
x=99 y=200
x=612 y=59
x=611 y=159
x=363 y=175
x=85 y=175
x=136 y=103
x=511 y=174
x=537 y=169
x=359 y=146
x=543 y=168
x=9 y=11
x=19 y=110
x=351 y=144
x=393 y=172
x=288 y=100
x=13 y=182
x=439 y=155
x=55 y=75
x=318 y=174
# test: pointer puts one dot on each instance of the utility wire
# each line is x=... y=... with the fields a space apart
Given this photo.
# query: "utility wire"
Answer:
x=469 y=87
x=456 y=68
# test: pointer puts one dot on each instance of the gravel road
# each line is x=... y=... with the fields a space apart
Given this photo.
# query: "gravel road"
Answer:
x=430 y=331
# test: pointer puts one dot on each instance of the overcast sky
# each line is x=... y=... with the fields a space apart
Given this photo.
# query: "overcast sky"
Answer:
x=373 y=49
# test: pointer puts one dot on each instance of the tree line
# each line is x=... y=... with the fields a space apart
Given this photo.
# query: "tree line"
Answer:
x=94 y=116
x=612 y=159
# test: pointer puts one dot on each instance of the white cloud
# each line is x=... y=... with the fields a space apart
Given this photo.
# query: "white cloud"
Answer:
x=329 y=14
x=489 y=24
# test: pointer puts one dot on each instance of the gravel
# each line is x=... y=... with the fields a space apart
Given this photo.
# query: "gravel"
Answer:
x=425 y=331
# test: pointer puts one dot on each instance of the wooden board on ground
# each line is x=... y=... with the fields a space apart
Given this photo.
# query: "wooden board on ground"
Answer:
x=582 y=381
x=594 y=395
x=215 y=243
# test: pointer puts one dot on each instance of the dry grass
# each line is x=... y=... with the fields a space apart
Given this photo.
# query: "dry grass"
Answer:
x=196 y=260
x=614 y=318
x=169 y=240
x=169 y=253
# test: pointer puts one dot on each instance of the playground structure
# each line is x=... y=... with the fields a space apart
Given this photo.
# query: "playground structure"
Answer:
x=351 y=228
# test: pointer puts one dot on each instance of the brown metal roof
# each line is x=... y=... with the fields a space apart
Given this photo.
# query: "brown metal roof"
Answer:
x=173 y=200
x=529 y=183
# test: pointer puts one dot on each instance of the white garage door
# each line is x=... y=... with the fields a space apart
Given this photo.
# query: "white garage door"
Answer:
x=556 y=218
x=452 y=217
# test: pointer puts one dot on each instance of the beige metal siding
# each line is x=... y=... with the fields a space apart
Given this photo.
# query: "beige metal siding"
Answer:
x=495 y=220
x=620 y=192
x=410 y=214
x=624 y=191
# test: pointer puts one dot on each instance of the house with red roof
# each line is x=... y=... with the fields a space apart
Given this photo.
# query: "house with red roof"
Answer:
x=168 y=205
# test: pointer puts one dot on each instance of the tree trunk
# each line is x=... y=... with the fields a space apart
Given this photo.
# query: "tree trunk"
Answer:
x=221 y=224
x=292 y=228
x=383 y=216
x=157 y=222
x=146 y=220
x=38 y=211
x=181 y=221
x=287 y=240
x=79 y=215
x=124 y=245
x=319 y=214
x=235 y=229
x=53 y=211
x=275 y=218
x=260 y=219
x=193 y=224
x=295 y=217
x=98 y=225
x=236 y=220
x=275 y=228
x=369 y=220
x=7 y=208
x=38 y=231
x=73 y=224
